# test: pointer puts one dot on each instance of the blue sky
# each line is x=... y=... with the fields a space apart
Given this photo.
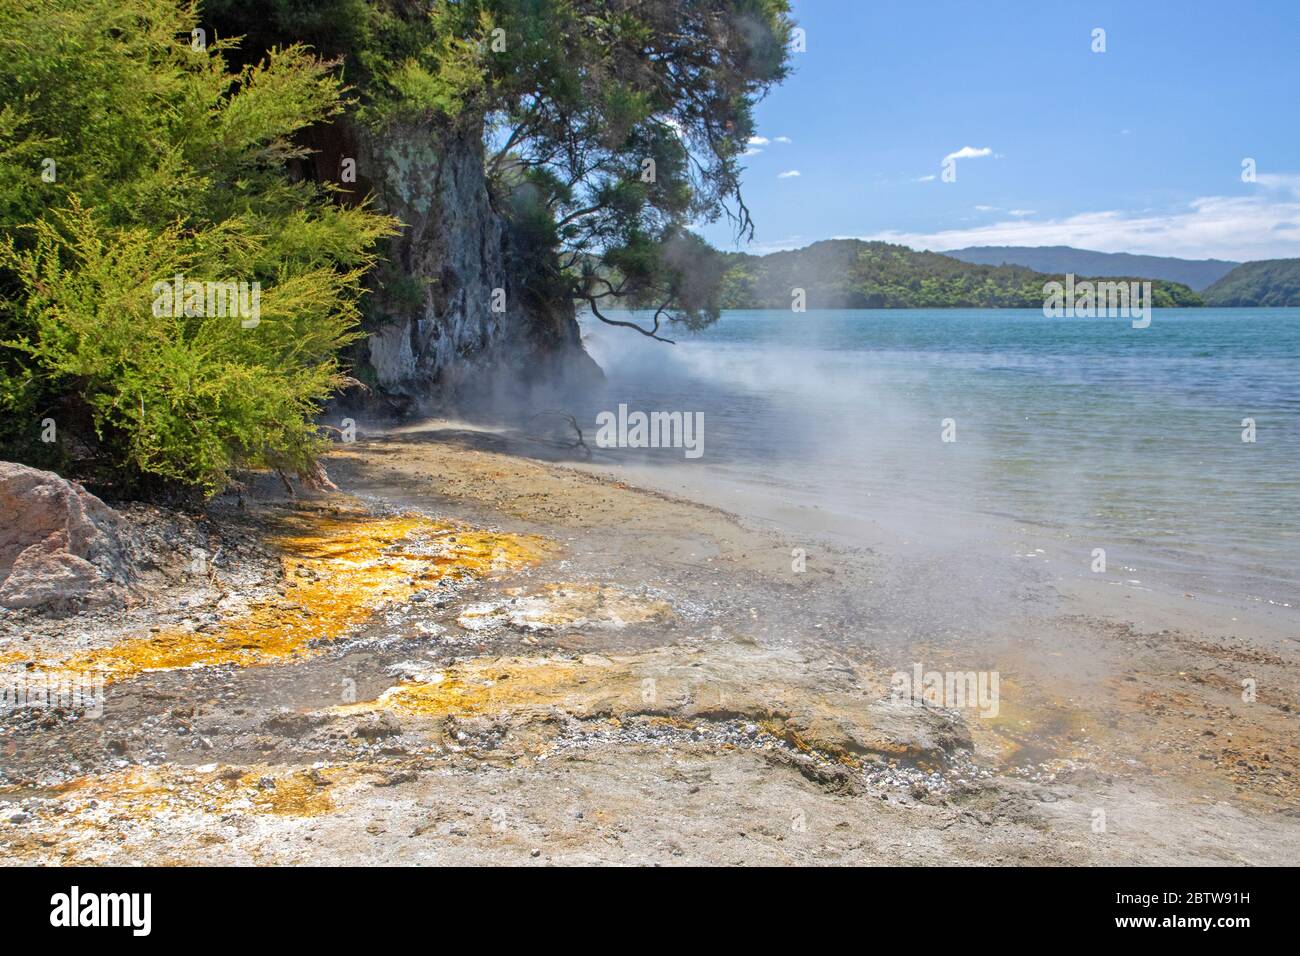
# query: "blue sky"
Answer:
x=1136 y=149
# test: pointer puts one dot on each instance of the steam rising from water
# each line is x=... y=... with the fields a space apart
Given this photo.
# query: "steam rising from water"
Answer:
x=1087 y=430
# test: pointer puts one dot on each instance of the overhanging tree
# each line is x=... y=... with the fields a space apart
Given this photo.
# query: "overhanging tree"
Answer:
x=618 y=125
x=613 y=125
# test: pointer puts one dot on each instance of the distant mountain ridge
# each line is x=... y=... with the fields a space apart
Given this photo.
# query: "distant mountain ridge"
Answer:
x=855 y=274
x=1269 y=282
x=1196 y=274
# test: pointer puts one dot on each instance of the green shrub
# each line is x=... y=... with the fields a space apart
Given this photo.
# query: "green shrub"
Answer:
x=166 y=163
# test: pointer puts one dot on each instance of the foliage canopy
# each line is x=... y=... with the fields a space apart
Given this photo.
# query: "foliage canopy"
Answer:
x=612 y=125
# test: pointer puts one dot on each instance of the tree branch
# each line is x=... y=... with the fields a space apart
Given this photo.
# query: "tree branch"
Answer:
x=649 y=333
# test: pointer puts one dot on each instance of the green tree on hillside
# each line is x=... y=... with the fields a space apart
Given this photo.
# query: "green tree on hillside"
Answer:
x=1269 y=282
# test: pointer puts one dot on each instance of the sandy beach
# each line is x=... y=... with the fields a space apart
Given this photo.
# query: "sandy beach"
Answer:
x=472 y=655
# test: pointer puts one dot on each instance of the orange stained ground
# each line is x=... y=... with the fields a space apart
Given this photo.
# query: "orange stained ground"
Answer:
x=338 y=569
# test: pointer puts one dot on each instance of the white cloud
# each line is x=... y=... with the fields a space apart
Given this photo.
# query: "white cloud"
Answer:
x=758 y=141
x=788 y=174
x=924 y=179
x=987 y=209
x=783 y=139
x=1264 y=224
x=751 y=152
x=1022 y=212
x=969 y=152
x=1285 y=182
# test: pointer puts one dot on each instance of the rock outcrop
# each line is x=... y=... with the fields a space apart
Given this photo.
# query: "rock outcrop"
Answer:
x=459 y=311
x=61 y=548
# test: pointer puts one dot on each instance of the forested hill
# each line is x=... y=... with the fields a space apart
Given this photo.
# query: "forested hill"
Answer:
x=853 y=274
x=1196 y=274
x=1270 y=282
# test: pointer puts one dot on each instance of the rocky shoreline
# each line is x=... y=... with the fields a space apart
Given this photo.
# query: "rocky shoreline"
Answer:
x=472 y=656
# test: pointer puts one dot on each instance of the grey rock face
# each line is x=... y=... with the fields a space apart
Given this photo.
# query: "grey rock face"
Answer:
x=61 y=548
x=456 y=249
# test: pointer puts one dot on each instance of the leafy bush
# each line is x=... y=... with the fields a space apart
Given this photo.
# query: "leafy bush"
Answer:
x=165 y=163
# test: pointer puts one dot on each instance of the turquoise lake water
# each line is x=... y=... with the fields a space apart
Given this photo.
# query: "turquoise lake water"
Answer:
x=1120 y=436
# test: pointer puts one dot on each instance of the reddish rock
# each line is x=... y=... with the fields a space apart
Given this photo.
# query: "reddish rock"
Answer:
x=61 y=548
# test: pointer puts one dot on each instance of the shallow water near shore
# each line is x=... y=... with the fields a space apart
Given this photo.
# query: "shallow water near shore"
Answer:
x=1085 y=433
